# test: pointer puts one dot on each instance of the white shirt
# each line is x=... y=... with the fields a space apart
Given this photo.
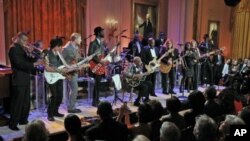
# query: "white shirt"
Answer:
x=153 y=54
x=138 y=46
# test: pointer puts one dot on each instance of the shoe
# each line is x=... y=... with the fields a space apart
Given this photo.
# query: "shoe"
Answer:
x=74 y=111
x=15 y=128
x=172 y=92
x=51 y=118
x=58 y=115
x=136 y=103
x=153 y=95
x=23 y=122
x=165 y=92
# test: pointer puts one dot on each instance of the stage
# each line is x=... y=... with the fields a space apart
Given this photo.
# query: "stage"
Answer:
x=87 y=111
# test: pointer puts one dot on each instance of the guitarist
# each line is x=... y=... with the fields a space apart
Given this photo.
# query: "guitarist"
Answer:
x=56 y=88
x=97 y=44
x=149 y=54
x=170 y=76
x=71 y=55
x=135 y=71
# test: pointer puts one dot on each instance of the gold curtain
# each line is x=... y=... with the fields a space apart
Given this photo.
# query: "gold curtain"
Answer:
x=241 y=31
x=45 y=18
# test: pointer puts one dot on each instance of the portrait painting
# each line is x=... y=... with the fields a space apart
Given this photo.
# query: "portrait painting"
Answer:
x=213 y=31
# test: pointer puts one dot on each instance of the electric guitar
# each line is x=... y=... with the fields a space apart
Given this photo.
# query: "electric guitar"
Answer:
x=136 y=79
x=98 y=68
x=154 y=64
x=53 y=77
x=203 y=58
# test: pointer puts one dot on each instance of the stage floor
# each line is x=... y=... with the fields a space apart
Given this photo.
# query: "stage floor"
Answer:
x=87 y=111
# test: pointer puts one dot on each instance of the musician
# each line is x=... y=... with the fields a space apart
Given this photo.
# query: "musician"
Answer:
x=56 y=89
x=218 y=63
x=170 y=76
x=71 y=55
x=206 y=64
x=187 y=65
x=135 y=70
x=151 y=52
x=135 y=47
x=22 y=66
x=97 y=44
x=196 y=67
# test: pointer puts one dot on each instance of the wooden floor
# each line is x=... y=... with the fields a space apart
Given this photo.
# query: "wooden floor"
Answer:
x=87 y=111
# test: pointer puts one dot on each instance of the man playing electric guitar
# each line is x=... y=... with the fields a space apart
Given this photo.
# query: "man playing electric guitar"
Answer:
x=169 y=60
x=135 y=73
x=97 y=44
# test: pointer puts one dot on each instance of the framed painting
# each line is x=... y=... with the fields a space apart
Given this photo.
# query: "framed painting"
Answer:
x=145 y=18
x=213 y=32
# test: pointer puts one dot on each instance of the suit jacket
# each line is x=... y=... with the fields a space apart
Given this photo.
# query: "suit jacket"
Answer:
x=22 y=66
x=94 y=45
x=70 y=54
x=216 y=59
x=146 y=54
x=133 y=50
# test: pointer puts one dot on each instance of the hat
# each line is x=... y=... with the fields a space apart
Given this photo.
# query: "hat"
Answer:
x=97 y=30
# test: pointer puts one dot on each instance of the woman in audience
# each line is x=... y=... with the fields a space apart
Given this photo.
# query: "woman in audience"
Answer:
x=225 y=126
x=36 y=131
x=72 y=124
x=140 y=138
x=196 y=100
x=212 y=108
x=173 y=107
x=205 y=129
x=169 y=132
x=156 y=123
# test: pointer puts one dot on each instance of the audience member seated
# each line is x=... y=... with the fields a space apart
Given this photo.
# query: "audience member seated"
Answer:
x=72 y=124
x=196 y=101
x=245 y=115
x=173 y=106
x=140 y=138
x=169 y=132
x=225 y=126
x=205 y=129
x=212 y=108
x=156 y=123
x=108 y=129
x=144 y=117
x=36 y=131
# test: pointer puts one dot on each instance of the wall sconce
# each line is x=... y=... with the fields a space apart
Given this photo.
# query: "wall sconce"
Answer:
x=112 y=27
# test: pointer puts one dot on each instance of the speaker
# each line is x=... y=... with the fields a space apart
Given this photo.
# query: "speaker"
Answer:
x=232 y=3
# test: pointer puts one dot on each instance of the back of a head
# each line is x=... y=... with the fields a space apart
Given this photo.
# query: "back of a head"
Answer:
x=157 y=109
x=141 y=138
x=169 y=132
x=205 y=129
x=105 y=110
x=173 y=104
x=56 y=41
x=245 y=115
x=196 y=100
x=144 y=113
x=74 y=36
x=72 y=124
x=36 y=131
x=210 y=92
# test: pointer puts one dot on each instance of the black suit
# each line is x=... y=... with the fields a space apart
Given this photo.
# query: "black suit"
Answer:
x=146 y=58
x=22 y=67
x=133 y=50
x=218 y=63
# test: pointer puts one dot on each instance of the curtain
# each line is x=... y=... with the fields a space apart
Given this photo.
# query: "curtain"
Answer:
x=44 y=18
x=241 y=31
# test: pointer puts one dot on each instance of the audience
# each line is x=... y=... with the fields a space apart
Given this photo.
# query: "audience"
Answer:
x=108 y=129
x=173 y=106
x=36 y=131
x=72 y=124
x=245 y=115
x=211 y=108
x=205 y=129
x=169 y=132
x=140 y=138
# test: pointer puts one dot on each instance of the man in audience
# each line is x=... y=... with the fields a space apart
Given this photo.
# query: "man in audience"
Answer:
x=245 y=115
x=36 y=131
x=173 y=107
x=108 y=129
x=169 y=132
x=205 y=129
x=72 y=124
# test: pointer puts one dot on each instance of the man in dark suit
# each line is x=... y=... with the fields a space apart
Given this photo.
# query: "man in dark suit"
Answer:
x=97 y=44
x=150 y=52
x=22 y=66
x=135 y=47
x=218 y=63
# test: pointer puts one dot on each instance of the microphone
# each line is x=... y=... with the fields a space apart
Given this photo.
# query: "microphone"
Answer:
x=87 y=37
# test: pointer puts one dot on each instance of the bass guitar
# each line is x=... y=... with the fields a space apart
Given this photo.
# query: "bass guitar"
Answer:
x=98 y=68
x=154 y=64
